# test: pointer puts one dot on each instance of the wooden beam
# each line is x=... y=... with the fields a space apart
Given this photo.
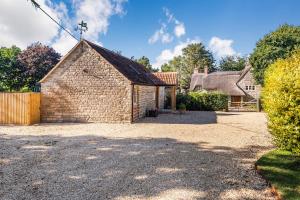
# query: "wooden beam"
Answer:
x=173 y=97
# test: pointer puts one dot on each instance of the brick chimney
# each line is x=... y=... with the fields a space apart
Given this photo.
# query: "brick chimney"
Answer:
x=196 y=71
x=205 y=70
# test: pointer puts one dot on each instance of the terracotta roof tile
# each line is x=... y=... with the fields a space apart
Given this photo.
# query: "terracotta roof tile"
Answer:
x=169 y=78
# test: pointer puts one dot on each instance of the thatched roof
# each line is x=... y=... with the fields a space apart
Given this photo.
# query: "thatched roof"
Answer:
x=225 y=82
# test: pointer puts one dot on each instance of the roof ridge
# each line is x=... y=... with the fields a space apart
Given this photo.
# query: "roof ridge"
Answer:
x=111 y=51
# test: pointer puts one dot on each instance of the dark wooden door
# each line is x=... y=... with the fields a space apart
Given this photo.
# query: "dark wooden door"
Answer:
x=236 y=99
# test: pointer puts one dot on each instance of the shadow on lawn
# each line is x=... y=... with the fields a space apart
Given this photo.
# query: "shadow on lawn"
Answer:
x=91 y=167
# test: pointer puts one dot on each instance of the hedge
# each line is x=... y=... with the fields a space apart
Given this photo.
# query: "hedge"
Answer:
x=205 y=101
x=281 y=101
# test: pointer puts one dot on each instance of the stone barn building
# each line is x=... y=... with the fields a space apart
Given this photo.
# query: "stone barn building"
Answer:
x=94 y=84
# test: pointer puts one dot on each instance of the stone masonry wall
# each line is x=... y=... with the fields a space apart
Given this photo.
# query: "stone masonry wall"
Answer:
x=146 y=99
x=161 y=98
x=84 y=88
x=249 y=80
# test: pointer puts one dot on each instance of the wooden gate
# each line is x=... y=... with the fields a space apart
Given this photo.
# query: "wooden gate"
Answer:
x=20 y=108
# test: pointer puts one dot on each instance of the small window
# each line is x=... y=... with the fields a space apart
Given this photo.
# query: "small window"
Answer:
x=250 y=87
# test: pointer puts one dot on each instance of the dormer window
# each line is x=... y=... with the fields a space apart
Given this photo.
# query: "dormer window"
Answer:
x=250 y=87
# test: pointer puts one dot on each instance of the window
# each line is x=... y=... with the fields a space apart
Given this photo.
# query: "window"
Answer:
x=250 y=87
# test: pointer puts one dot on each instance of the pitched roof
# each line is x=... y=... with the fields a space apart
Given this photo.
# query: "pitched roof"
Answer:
x=222 y=81
x=196 y=80
x=169 y=78
x=133 y=71
x=225 y=82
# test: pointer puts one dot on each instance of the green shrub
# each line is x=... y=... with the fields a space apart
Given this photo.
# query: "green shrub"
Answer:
x=281 y=101
x=181 y=106
x=206 y=101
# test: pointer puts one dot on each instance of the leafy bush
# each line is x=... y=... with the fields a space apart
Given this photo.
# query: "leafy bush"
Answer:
x=182 y=106
x=206 y=101
x=281 y=101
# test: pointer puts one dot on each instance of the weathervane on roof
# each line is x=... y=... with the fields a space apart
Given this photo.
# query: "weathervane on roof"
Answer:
x=82 y=27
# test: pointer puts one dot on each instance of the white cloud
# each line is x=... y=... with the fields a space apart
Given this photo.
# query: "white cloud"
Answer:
x=64 y=43
x=221 y=47
x=179 y=30
x=168 y=54
x=161 y=35
x=21 y=24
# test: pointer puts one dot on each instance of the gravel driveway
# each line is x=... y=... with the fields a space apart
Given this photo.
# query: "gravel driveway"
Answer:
x=198 y=155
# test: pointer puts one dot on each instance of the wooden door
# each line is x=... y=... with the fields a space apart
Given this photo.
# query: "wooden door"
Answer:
x=236 y=99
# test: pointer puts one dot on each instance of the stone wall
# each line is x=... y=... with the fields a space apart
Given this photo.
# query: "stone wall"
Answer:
x=145 y=101
x=84 y=88
x=161 y=99
x=249 y=80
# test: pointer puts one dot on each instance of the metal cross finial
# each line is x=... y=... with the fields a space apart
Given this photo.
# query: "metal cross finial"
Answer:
x=82 y=27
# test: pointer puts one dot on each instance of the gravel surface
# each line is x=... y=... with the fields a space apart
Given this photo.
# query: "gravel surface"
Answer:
x=198 y=155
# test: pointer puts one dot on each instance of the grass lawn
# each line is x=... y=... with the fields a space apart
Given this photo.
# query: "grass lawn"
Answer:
x=282 y=169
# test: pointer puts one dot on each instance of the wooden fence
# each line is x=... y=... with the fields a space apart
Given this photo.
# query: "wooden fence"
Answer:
x=20 y=108
x=244 y=106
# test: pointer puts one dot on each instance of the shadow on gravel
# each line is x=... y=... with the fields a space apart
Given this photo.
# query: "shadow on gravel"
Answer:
x=190 y=117
x=90 y=167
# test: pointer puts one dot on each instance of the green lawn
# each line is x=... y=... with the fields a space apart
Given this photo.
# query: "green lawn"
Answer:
x=282 y=169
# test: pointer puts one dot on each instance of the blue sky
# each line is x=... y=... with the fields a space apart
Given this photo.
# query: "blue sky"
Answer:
x=226 y=27
x=242 y=21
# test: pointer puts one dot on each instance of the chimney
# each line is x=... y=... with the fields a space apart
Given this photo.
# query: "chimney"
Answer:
x=205 y=70
x=196 y=71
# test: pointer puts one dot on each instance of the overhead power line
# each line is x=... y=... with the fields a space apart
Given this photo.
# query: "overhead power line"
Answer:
x=36 y=5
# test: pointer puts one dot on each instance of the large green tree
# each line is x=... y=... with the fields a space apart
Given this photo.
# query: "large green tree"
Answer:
x=146 y=62
x=277 y=44
x=37 y=60
x=193 y=56
x=232 y=63
x=11 y=73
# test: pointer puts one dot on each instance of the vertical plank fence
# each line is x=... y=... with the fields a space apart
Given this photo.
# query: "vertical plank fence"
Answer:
x=20 y=108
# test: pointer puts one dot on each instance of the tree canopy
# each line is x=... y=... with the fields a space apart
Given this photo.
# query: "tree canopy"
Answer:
x=232 y=63
x=11 y=74
x=146 y=62
x=193 y=56
x=277 y=44
x=37 y=60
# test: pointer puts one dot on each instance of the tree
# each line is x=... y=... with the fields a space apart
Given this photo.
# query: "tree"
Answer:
x=37 y=60
x=194 y=56
x=166 y=68
x=146 y=62
x=173 y=65
x=281 y=101
x=232 y=63
x=278 y=44
x=10 y=71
